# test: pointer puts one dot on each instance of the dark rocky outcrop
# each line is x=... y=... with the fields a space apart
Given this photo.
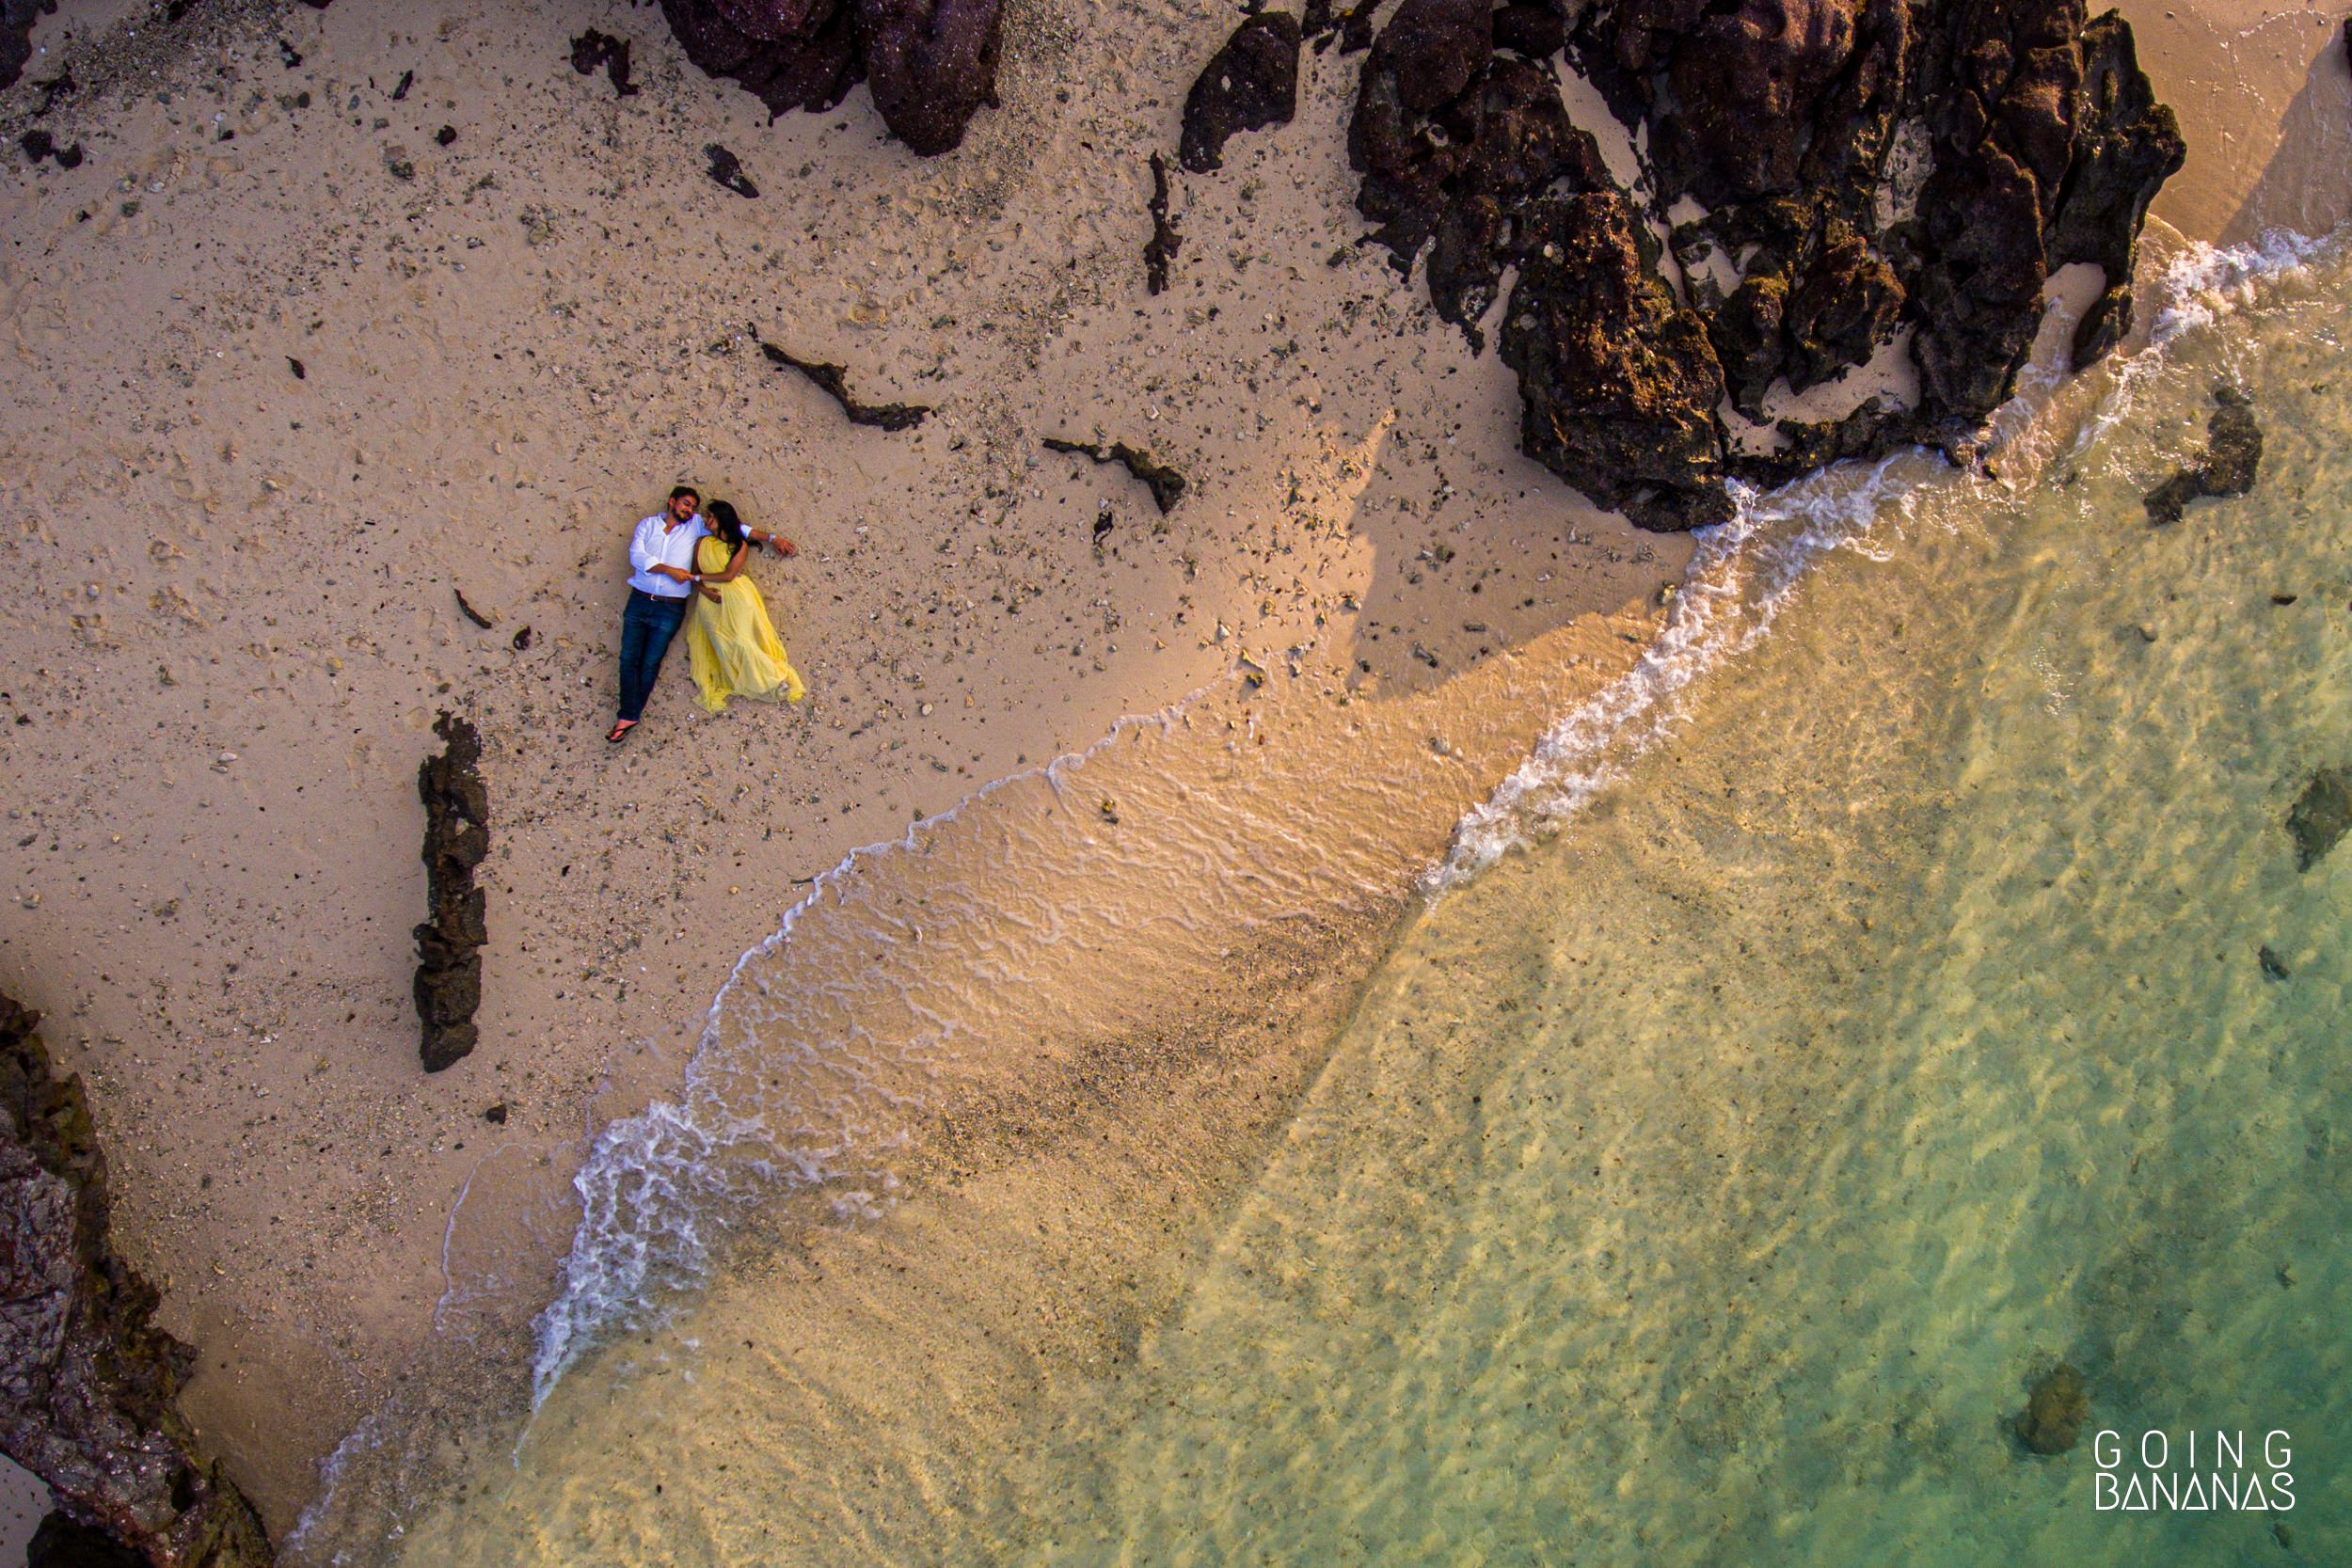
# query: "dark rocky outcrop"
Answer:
x=449 y=944
x=1862 y=169
x=2056 y=1408
x=592 y=49
x=1161 y=248
x=1166 y=484
x=2233 y=454
x=1321 y=22
x=788 y=54
x=2320 y=816
x=931 y=63
x=834 y=380
x=728 y=169
x=63 y=1542
x=87 y=1381
x=39 y=144
x=1455 y=144
x=1246 y=85
x=2126 y=145
x=1620 y=383
x=16 y=36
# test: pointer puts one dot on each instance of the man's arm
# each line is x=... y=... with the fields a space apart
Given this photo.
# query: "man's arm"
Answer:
x=642 y=557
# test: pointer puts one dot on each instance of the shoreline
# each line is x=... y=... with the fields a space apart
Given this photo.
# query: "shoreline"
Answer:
x=196 y=514
x=302 y=1254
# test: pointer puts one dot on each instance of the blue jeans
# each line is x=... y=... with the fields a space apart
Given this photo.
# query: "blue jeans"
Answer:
x=646 y=627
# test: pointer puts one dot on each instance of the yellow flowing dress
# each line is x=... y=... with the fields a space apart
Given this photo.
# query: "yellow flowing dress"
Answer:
x=730 y=645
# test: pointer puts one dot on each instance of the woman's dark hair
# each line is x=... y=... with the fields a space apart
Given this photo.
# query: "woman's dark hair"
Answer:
x=725 y=523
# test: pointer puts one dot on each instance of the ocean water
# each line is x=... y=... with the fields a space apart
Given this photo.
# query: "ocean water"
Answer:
x=1899 y=984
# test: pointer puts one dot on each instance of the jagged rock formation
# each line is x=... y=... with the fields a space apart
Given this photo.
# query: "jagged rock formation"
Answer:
x=1858 y=168
x=2233 y=454
x=16 y=35
x=932 y=63
x=1248 y=85
x=87 y=1380
x=448 y=945
x=1456 y=145
x=1632 y=409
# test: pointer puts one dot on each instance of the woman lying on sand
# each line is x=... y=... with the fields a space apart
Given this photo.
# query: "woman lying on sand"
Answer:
x=731 y=647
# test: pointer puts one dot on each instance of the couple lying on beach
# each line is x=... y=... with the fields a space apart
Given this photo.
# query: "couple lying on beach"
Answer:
x=680 y=559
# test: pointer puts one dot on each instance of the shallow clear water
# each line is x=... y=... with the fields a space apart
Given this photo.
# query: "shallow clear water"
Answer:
x=1707 y=1185
x=1708 y=1181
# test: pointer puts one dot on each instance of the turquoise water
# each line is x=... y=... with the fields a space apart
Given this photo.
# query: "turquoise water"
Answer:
x=1709 y=1184
x=1778 y=1091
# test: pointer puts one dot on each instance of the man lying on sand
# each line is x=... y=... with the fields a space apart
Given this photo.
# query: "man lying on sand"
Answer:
x=662 y=582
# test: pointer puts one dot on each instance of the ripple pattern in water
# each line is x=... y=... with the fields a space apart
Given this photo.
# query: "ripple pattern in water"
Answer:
x=1709 y=1184
x=1704 y=1183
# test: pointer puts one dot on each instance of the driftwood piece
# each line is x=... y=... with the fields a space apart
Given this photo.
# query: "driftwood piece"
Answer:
x=834 y=382
x=1161 y=248
x=1166 y=485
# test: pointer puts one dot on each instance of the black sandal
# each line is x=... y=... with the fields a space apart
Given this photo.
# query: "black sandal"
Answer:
x=620 y=728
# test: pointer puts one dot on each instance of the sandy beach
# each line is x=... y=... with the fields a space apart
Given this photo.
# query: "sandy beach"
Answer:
x=296 y=363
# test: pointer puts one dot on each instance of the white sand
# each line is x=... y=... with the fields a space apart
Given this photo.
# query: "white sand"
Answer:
x=512 y=355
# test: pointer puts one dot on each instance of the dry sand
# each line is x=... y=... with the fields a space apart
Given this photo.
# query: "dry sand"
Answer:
x=231 y=612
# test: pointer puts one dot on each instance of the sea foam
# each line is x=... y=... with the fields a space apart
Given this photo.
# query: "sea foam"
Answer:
x=1745 y=571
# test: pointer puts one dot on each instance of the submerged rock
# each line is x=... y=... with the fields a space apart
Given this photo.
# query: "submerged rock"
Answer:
x=2234 y=453
x=449 y=944
x=2051 y=1421
x=1248 y=85
x=87 y=1381
x=2320 y=816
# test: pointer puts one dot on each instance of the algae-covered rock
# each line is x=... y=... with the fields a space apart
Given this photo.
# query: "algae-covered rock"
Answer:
x=2320 y=816
x=2233 y=455
x=2056 y=1408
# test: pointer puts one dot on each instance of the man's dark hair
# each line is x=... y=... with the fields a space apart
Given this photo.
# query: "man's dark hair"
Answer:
x=686 y=490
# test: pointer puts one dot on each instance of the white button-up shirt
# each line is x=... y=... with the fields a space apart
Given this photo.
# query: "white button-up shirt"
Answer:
x=656 y=543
